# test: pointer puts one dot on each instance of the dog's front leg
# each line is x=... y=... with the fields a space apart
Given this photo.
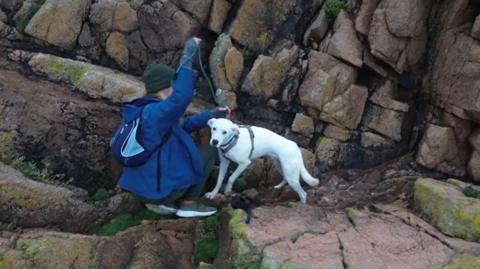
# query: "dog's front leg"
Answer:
x=241 y=167
x=224 y=162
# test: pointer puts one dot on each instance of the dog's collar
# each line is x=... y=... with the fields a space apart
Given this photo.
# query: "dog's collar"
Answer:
x=230 y=144
x=233 y=141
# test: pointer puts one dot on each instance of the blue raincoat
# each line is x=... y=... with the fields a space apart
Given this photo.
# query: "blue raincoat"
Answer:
x=177 y=164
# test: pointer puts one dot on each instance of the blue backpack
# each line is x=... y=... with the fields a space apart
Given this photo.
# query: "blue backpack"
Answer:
x=125 y=143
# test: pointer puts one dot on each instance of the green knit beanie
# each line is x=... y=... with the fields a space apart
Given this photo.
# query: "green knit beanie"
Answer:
x=157 y=76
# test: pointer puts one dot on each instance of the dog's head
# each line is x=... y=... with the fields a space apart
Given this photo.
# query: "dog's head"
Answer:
x=222 y=131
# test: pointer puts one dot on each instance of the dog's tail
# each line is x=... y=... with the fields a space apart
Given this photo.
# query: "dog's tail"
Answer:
x=307 y=177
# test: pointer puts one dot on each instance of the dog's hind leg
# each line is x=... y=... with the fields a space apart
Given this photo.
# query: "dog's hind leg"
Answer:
x=240 y=168
x=278 y=165
x=292 y=176
x=299 y=190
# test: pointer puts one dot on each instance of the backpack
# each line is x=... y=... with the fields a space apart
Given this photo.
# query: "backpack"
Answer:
x=125 y=144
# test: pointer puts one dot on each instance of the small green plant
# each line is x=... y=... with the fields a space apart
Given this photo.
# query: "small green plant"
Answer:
x=125 y=221
x=239 y=185
x=100 y=195
x=31 y=170
x=333 y=7
x=34 y=8
x=206 y=247
x=471 y=192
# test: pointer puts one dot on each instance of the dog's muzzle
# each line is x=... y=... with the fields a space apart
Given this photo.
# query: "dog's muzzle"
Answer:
x=214 y=142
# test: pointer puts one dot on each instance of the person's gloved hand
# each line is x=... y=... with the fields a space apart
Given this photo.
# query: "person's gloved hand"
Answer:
x=221 y=112
x=189 y=49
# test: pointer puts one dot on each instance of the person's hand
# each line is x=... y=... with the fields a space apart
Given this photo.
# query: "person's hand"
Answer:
x=191 y=46
x=221 y=112
x=225 y=109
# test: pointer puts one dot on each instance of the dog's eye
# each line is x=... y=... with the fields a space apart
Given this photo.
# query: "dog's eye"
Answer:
x=214 y=129
x=224 y=132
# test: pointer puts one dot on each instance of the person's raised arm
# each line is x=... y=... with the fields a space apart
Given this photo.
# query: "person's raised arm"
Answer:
x=173 y=107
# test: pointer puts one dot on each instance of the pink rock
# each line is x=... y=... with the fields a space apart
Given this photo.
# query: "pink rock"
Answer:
x=308 y=251
x=364 y=16
x=344 y=43
x=270 y=224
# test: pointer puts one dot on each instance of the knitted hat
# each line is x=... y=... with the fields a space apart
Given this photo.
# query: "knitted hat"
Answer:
x=157 y=76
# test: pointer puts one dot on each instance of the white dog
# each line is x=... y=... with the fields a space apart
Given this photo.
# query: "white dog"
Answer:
x=241 y=144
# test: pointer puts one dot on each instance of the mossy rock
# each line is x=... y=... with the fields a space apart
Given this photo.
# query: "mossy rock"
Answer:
x=125 y=221
x=241 y=252
x=448 y=208
x=464 y=262
x=57 y=250
x=333 y=8
x=100 y=195
x=25 y=19
x=6 y=146
x=206 y=248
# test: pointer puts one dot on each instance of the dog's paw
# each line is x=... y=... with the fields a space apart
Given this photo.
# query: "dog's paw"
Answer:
x=211 y=195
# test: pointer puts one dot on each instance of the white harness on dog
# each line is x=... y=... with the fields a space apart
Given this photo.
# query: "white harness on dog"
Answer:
x=234 y=139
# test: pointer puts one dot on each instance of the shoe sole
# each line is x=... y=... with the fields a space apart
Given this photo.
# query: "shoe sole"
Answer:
x=162 y=210
x=192 y=214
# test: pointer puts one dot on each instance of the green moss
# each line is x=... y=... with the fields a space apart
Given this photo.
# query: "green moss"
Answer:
x=453 y=213
x=101 y=195
x=239 y=185
x=351 y=215
x=471 y=191
x=34 y=8
x=71 y=72
x=237 y=224
x=6 y=146
x=2 y=259
x=333 y=7
x=206 y=248
x=464 y=262
x=125 y=221
x=212 y=223
x=251 y=260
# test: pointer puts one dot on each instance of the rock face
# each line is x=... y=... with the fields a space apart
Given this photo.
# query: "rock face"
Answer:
x=473 y=166
x=451 y=211
x=326 y=78
x=58 y=22
x=385 y=121
x=96 y=81
x=344 y=43
x=317 y=30
x=256 y=22
x=346 y=109
x=164 y=27
x=69 y=136
x=218 y=15
x=344 y=240
x=146 y=246
x=264 y=78
x=32 y=204
x=116 y=48
x=438 y=150
x=302 y=124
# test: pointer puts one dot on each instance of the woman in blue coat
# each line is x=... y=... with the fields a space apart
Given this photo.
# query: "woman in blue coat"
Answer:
x=172 y=179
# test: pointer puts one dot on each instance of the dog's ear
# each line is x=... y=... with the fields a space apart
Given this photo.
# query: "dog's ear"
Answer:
x=235 y=130
x=210 y=122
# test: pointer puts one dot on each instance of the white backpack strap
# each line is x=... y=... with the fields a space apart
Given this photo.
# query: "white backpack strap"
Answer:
x=131 y=146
